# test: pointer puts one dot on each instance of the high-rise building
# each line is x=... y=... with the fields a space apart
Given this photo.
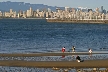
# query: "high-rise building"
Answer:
x=58 y=9
x=97 y=9
x=31 y=11
x=49 y=10
x=101 y=9
x=37 y=10
x=104 y=11
x=11 y=11
x=20 y=13
x=66 y=8
x=28 y=13
x=0 y=13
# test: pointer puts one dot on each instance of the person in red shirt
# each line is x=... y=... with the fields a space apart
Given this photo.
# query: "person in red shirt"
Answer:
x=63 y=49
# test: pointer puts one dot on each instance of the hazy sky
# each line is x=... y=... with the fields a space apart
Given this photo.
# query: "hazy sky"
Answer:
x=69 y=3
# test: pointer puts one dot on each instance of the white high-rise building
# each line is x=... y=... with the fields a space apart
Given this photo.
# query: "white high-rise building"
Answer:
x=49 y=10
x=11 y=11
x=0 y=13
x=31 y=11
x=28 y=13
x=37 y=10
x=103 y=16
x=67 y=9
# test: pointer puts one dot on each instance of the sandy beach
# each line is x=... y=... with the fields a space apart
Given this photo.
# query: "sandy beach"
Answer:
x=50 y=64
x=58 y=64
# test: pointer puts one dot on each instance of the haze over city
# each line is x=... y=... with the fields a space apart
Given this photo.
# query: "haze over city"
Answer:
x=67 y=3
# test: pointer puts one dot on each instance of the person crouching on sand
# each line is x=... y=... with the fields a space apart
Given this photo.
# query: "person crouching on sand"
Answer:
x=63 y=49
x=78 y=58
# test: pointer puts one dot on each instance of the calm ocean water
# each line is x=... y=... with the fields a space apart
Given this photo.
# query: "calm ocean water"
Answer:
x=37 y=35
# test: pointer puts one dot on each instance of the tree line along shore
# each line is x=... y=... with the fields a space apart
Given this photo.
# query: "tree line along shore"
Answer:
x=78 y=21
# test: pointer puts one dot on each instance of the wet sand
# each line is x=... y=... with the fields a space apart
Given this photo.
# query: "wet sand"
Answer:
x=51 y=64
x=47 y=54
x=58 y=64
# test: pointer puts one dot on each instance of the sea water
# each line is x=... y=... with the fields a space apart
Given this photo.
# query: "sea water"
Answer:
x=37 y=35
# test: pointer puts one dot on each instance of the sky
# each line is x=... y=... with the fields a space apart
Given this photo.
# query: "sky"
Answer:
x=68 y=3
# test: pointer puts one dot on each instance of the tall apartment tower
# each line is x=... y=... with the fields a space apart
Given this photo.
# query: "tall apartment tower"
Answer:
x=11 y=11
x=28 y=13
x=101 y=9
x=31 y=11
x=0 y=13
x=97 y=9
x=67 y=8
x=49 y=10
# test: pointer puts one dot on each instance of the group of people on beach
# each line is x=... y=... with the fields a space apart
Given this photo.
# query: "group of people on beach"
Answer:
x=73 y=49
x=77 y=57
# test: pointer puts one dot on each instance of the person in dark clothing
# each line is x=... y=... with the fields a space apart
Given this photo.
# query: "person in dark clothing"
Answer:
x=79 y=59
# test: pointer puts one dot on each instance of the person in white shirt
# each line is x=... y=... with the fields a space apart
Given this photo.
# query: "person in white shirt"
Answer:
x=90 y=51
x=73 y=49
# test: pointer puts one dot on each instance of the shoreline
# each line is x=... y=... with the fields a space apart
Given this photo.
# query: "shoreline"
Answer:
x=22 y=18
x=47 y=54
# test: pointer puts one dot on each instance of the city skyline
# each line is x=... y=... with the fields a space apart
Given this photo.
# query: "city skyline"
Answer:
x=70 y=3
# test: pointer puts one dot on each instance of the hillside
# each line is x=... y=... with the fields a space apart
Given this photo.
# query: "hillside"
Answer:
x=16 y=6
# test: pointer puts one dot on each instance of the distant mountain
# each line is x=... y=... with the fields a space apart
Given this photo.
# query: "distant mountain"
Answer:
x=2 y=10
x=16 y=6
